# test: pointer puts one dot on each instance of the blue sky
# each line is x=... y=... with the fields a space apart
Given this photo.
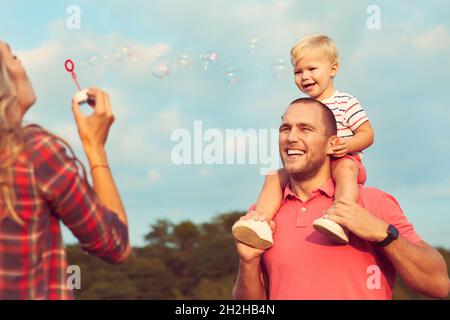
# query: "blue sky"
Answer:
x=399 y=73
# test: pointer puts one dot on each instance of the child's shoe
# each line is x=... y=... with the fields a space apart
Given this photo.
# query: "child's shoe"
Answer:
x=256 y=234
x=332 y=230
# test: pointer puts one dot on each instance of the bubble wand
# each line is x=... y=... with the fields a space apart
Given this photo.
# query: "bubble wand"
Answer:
x=81 y=96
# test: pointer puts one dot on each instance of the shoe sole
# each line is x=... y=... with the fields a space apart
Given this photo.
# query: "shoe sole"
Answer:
x=250 y=238
x=331 y=230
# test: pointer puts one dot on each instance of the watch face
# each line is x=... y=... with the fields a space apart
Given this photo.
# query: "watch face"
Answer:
x=393 y=231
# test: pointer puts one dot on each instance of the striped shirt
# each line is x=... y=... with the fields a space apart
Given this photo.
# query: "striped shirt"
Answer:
x=348 y=113
x=48 y=189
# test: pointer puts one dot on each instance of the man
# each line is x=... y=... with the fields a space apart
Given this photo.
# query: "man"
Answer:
x=303 y=263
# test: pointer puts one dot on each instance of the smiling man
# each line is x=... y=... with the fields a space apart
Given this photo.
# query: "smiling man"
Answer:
x=303 y=263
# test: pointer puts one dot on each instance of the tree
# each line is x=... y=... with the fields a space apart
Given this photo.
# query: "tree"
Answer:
x=179 y=261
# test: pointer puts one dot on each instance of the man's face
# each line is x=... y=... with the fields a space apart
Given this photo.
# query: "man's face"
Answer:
x=302 y=140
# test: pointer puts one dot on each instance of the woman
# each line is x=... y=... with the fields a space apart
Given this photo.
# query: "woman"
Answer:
x=40 y=186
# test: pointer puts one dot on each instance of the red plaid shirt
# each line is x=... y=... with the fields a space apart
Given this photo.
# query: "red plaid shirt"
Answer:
x=48 y=188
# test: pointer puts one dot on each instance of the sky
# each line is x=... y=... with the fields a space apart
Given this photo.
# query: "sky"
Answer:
x=169 y=65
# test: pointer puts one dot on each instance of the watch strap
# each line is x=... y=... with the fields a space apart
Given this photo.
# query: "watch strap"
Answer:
x=392 y=235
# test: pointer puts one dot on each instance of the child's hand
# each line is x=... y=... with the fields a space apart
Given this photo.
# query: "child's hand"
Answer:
x=341 y=148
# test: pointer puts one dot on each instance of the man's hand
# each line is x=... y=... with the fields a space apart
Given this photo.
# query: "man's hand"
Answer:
x=358 y=220
x=249 y=254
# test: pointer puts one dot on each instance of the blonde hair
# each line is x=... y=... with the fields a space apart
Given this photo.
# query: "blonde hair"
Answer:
x=318 y=42
x=12 y=143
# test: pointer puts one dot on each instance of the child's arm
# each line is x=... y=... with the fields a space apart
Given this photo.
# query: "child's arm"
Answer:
x=362 y=139
x=270 y=198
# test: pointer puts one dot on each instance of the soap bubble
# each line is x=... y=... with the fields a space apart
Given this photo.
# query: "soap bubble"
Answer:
x=135 y=59
x=121 y=51
x=253 y=45
x=184 y=60
x=94 y=60
x=135 y=56
x=208 y=60
x=81 y=64
x=280 y=69
x=233 y=74
x=131 y=53
x=161 y=68
x=106 y=58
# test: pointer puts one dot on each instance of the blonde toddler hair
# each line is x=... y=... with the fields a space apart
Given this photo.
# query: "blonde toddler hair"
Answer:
x=317 y=42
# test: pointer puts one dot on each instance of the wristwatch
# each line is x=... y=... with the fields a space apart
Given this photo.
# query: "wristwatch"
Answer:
x=392 y=235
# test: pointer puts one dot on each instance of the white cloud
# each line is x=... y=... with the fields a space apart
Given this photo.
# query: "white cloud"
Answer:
x=167 y=120
x=142 y=57
x=426 y=193
x=45 y=63
x=278 y=25
x=131 y=146
x=433 y=40
x=40 y=57
x=69 y=132
x=147 y=108
x=204 y=172
x=54 y=87
x=154 y=175
x=119 y=103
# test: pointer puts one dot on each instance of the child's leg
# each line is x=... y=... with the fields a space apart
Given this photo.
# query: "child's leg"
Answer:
x=270 y=198
x=345 y=173
x=345 y=176
x=251 y=229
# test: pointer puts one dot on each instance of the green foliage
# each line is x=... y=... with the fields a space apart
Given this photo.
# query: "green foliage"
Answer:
x=179 y=261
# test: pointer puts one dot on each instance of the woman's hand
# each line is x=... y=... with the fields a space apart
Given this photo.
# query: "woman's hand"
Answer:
x=94 y=129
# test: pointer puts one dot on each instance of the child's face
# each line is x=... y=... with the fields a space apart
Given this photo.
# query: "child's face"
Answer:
x=314 y=75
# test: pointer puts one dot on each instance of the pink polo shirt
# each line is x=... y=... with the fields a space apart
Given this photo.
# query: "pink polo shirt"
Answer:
x=304 y=264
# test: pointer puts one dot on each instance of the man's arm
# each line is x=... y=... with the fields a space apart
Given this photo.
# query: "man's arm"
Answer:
x=252 y=279
x=420 y=266
x=249 y=284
